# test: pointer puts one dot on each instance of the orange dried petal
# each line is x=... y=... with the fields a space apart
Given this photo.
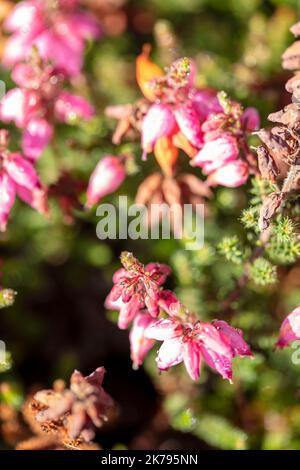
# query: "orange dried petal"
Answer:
x=182 y=143
x=166 y=154
x=146 y=70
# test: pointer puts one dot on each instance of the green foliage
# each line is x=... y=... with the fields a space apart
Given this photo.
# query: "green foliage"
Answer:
x=249 y=218
x=262 y=272
x=230 y=248
x=284 y=246
x=219 y=432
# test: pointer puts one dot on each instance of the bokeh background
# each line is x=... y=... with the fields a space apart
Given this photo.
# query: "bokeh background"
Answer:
x=62 y=272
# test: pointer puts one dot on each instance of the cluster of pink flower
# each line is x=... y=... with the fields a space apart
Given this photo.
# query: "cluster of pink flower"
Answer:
x=46 y=48
x=58 y=28
x=138 y=295
x=210 y=128
x=38 y=103
x=17 y=177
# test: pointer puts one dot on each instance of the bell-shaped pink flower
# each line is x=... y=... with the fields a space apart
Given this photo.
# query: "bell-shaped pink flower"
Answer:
x=36 y=198
x=18 y=106
x=18 y=177
x=164 y=329
x=58 y=31
x=170 y=353
x=106 y=178
x=25 y=13
x=39 y=103
x=168 y=302
x=192 y=358
x=215 y=153
x=136 y=287
x=233 y=338
x=250 y=120
x=36 y=138
x=290 y=329
x=69 y=107
x=21 y=171
x=139 y=344
x=127 y=310
x=205 y=102
x=178 y=345
x=23 y=74
x=210 y=338
x=158 y=122
x=189 y=123
x=218 y=362
x=231 y=175
x=7 y=198
x=217 y=343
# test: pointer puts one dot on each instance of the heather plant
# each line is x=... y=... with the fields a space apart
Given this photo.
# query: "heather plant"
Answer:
x=161 y=103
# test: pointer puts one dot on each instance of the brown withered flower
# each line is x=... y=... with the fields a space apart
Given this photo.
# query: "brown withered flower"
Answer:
x=172 y=191
x=129 y=117
x=279 y=156
x=78 y=410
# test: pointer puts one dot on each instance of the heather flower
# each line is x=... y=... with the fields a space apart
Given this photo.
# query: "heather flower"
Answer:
x=217 y=343
x=136 y=287
x=215 y=153
x=290 y=329
x=17 y=177
x=232 y=174
x=168 y=302
x=250 y=120
x=225 y=156
x=106 y=178
x=38 y=103
x=233 y=337
x=173 y=111
x=188 y=122
x=211 y=129
x=58 y=29
x=158 y=122
x=139 y=344
x=81 y=408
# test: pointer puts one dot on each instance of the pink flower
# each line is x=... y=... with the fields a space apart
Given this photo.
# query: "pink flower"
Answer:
x=127 y=310
x=290 y=329
x=18 y=177
x=21 y=171
x=136 y=287
x=205 y=103
x=7 y=198
x=217 y=343
x=158 y=122
x=178 y=345
x=106 y=178
x=36 y=137
x=69 y=107
x=232 y=337
x=250 y=119
x=232 y=174
x=139 y=344
x=215 y=153
x=58 y=31
x=189 y=123
x=168 y=302
x=38 y=104
x=19 y=106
